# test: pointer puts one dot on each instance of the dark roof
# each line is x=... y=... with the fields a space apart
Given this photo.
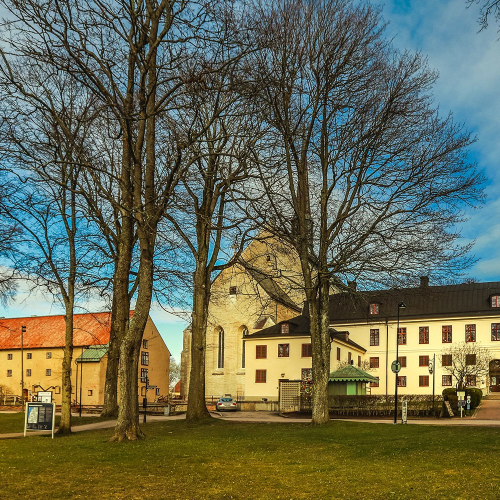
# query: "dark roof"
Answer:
x=270 y=286
x=468 y=299
x=351 y=373
x=299 y=327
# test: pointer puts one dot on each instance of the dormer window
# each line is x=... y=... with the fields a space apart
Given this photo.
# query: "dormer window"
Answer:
x=285 y=328
x=232 y=290
x=495 y=301
x=374 y=308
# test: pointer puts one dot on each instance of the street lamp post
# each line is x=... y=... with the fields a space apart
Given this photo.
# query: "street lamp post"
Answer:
x=81 y=377
x=401 y=305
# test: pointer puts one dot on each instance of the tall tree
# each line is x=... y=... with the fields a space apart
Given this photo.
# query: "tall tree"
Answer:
x=47 y=117
x=362 y=175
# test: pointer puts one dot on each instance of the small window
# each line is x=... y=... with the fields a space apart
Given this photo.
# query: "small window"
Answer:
x=423 y=335
x=58 y=389
x=90 y=392
x=9 y=373
x=157 y=391
x=402 y=361
x=283 y=350
x=402 y=381
x=144 y=358
x=423 y=381
x=285 y=328
x=144 y=375
x=495 y=301
x=144 y=344
x=374 y=336
x=423 y=361
x=470 y=359
x=374 y=384
x=28 y=372
x=48 y=372
x=338 y=353
x=446 y=360
x=9 y=355
x=374 y=362
x=349 y=357
x=306 y=350
x=402 y=336
x=359 y=361
x=48 y=355
x=470 y=333
x=374 y=308
x=495 y=331
x=260 y=351
x=447 y=334
x=446 y=381
x=260 y=376
x=232 y=290
x=29 y=355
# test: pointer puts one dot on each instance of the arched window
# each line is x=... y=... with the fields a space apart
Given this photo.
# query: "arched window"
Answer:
x=244 y=334
x=220 y=353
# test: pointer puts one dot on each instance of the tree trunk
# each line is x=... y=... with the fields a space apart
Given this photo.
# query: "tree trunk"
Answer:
x=197 y=408
x=127 y=426
x=65 y=423
x=321 y=348
x=110 y=407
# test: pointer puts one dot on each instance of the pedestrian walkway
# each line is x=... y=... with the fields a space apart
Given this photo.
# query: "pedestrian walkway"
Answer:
x=489 y=409
x=488 y=415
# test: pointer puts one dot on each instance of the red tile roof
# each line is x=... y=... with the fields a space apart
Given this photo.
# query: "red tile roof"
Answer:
x=48 y=331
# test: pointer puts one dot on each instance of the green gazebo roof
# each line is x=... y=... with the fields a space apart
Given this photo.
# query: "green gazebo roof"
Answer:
x=93 y=353
x=351 y=373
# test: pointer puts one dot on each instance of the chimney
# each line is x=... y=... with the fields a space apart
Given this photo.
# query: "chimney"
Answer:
x=424 y=281
x=352 y=285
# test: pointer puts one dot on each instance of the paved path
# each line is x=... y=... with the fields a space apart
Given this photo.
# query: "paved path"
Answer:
x=488 y=410
x=488 y=415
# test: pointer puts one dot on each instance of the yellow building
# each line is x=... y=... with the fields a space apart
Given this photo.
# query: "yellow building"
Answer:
x=433 y=321
x=31 y=353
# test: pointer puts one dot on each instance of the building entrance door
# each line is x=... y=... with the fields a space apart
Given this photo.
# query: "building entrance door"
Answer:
x=495 y=375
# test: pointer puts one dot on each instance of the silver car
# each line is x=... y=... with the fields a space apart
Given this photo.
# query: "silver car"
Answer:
x=226 y=404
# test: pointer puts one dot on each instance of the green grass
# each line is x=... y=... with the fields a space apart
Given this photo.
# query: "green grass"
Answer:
x=14 y=422
x=223 y=460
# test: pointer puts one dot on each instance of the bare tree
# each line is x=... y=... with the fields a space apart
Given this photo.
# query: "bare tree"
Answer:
x=466 y=362
x=489 y=9
x=362 y=175
x=174 y=373
x=46 y=120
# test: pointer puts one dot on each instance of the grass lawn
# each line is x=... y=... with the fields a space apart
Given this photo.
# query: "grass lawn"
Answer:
x=223 y=459
x=14 y=422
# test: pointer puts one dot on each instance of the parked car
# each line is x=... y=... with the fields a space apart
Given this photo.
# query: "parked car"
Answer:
x=226 y=404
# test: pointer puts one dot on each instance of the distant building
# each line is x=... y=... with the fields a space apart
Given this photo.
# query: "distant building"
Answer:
x=35 y=357
x=363 y=332
x=262 y=289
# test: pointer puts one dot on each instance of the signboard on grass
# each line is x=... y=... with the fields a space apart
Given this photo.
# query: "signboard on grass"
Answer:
x=40 y=417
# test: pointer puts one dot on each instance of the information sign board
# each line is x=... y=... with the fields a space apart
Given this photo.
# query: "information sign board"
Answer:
x=404 y=412
x=44 y=396
x=40 y=417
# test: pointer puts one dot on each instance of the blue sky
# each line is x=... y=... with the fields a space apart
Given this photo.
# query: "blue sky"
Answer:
x=469 y=86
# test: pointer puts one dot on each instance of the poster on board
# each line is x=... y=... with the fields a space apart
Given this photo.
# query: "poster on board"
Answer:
x=40 y=417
